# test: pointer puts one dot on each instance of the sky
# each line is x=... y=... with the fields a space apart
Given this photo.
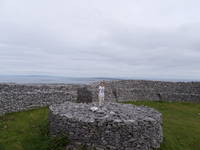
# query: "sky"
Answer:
x=101 y=38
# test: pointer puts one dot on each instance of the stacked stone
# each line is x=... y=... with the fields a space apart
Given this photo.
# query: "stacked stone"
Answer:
x=113 y=126
x=17 y=97
x=137 y=90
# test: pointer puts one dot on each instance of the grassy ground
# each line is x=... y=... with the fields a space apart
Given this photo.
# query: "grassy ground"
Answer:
x=181 y=124
x=28 y=130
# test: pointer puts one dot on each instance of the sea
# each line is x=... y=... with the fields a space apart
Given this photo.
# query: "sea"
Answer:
x=35 y=79
x=40 y=79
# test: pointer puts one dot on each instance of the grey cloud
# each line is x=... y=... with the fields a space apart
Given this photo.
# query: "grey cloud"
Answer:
x=97 y=38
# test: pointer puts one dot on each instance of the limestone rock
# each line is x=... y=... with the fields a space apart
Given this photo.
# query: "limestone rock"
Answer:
x=113 y=126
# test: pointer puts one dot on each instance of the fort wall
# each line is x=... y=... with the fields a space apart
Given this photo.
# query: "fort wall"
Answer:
x=17 y=97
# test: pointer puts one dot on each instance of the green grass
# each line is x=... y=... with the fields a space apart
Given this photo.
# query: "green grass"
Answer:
x=28 y=130
x=181 y=124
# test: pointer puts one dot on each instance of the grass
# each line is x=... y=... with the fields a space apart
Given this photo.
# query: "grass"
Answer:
x=181 y=124
x=28 y=130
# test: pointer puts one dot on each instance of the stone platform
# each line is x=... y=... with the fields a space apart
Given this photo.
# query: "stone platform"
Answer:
x=113 y=126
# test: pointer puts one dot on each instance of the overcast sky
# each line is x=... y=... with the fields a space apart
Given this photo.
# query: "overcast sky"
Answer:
x=109 y=38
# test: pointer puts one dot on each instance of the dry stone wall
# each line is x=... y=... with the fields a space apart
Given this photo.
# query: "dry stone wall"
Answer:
x=113 y=126
x=135 y=90
x=17 y=97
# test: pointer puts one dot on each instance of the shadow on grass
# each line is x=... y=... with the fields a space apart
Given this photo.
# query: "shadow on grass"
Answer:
x=44 y=141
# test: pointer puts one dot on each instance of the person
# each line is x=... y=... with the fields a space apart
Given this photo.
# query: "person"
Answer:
x=101 y=93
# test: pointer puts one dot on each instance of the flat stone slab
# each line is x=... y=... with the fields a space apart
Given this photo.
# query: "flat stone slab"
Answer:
x=113 y=126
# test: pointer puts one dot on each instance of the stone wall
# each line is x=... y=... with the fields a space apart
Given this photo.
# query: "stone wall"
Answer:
x=17 y=97
x=134 y=90
x=113 y=126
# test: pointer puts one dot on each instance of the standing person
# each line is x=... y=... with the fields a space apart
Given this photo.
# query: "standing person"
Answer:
x=101 y=93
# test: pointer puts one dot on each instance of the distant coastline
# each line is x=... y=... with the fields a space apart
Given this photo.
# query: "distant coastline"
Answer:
x=25 y=79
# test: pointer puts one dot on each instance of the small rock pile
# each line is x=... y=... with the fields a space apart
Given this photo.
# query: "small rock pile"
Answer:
x=113 y=126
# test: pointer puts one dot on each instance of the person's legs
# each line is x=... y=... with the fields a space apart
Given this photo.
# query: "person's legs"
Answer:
x=101 y=98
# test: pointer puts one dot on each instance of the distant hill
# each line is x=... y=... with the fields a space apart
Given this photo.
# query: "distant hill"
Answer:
x=23 y=79
x=48 y=79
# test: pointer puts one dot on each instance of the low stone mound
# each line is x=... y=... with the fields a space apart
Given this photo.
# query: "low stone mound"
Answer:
x=113 y=126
